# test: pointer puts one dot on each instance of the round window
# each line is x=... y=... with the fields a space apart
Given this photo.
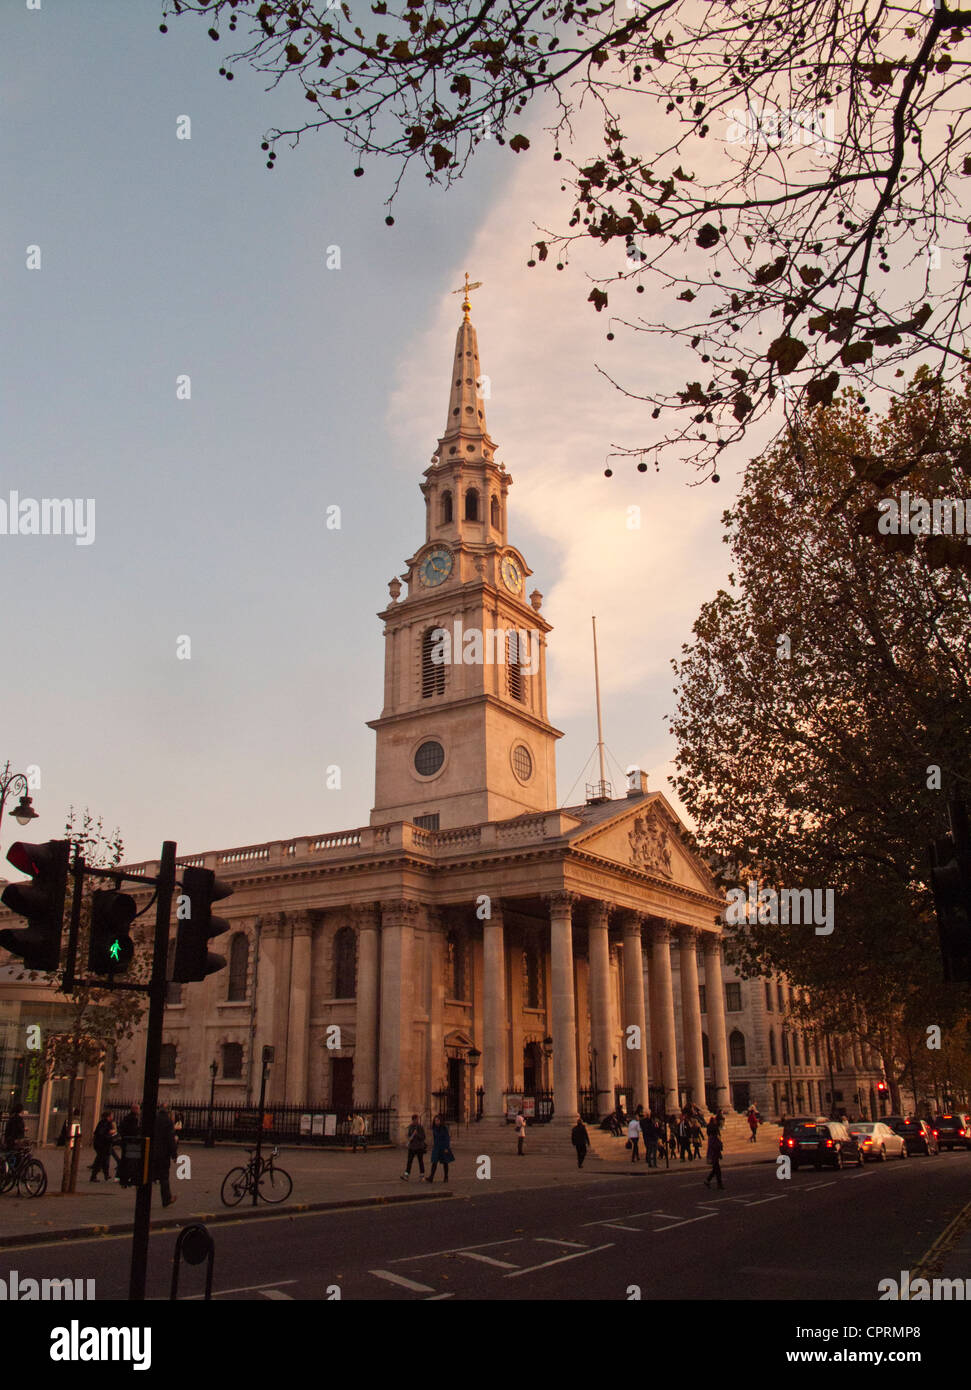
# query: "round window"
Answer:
x=522 y=763
x=429 y=758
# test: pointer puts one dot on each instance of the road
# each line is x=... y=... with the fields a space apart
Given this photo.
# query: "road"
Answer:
x=825 y=1235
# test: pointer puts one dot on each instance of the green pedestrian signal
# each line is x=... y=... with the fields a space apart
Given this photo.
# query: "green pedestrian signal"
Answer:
x=115 y=952
x=112 y=948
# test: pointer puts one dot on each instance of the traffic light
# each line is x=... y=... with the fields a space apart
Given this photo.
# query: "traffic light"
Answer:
x=951 y=886
x=111 y=948
x=41 y=902
x=193 y=961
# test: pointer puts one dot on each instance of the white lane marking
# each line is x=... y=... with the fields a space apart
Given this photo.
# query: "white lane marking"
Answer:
x=690 y=1220
x=546 y=1264
x=573 y=1244
x=244 y=1288
x=778 y=1198
x=817 y=1185
x=486 y=1259
x=629 y=1214
x=615 y=1226
x=436 y=1296
x=860 y=1175
x=400 y=1279
x=277 y=1293
x=457 y=1249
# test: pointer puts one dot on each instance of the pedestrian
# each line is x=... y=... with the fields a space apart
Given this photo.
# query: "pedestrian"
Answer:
x=128 y=1132
x=177 y=1125
x=580 y=1140
x=520 y=1133
x=672 y=1135
x=358 y=1132
x=104 y=1134
x=441 y=1148
x=684 y=1139
x=416 y=1148
x=715 y=1151
x=633 y=1136
x=650 y=1131
x=694 y=1130
x=163 y=1152
x=14 y=1131
x=753 y=1122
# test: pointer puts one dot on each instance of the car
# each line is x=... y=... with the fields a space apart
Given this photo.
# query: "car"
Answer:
x=952 y=1131
x=878 y=1141
x=918 y=1135
x=821 y=1142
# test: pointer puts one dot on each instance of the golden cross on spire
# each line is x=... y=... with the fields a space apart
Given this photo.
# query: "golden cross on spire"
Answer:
x=466 y=290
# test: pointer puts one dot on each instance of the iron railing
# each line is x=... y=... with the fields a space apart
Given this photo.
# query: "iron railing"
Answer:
x=283 y=1124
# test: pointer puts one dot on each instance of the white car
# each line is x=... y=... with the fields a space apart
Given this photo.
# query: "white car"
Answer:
x=878 y=1141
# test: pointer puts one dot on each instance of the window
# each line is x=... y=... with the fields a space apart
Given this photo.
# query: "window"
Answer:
x=838 y=1054
x=472 y=504
x=514 y=666
x=429 y=822
x=345 y=963
x=429 y=758
x=238 y=967
x=166 y=1062
x=494 y=512
x=778 y=996
x=173 y=991
x=806 y=1057
x=816 y=1050
x=705 y=1054
x=532 y=998
x=733 y=997
x=768 y=997
x=785 y=1048
x=432 y=671
x=232 y=1061
x=522 y=763
x=455 y=966
x=702 y=999
x=446 y=507
x=736 y=1049
x=795 y=1049
x=773 y=1055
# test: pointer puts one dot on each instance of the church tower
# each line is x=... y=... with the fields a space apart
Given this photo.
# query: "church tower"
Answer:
x=464 y=735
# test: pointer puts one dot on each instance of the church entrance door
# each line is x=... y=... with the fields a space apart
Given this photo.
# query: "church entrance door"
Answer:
x=342 y=1084
x=456 y=1090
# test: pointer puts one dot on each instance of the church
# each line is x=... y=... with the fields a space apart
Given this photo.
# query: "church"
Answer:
x=476 y=947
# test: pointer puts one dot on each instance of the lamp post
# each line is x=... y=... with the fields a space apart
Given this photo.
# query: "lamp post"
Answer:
x=472 y=1059
x=210 y=1130
x=548 y=1054
x=16 y=782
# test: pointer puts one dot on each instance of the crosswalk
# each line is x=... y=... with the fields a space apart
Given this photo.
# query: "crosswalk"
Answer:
x=511 y=1258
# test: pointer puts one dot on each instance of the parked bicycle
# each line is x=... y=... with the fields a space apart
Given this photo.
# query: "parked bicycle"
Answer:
x=273 y=1184
x=19 y=1170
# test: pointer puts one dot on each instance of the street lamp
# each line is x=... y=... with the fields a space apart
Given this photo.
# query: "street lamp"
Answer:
x=210 y=1130
x=472 y=1058
x=16 y=783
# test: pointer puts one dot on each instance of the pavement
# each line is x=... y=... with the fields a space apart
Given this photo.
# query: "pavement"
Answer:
x=322 y=1179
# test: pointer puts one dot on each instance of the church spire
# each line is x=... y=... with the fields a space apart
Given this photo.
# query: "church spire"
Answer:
x=466 y=433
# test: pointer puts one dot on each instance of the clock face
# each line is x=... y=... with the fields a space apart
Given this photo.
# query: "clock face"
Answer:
x=512 y=575
x=436 y=567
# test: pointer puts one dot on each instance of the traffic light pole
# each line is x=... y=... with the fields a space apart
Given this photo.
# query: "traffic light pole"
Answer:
x=153 y=1047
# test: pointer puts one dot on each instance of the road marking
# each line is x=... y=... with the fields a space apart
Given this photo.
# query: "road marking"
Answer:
x=690 y=1220
x=436 y=1296
x=573 y=1244
x=486 y=1259
x=244 y=1288
x=817 y=1185
x=456 y=1250
x=630 y=1216
x=780 y=1197
x=276 y=1293
x=615 y=1226
x=400 y=1279
x=546 y=1264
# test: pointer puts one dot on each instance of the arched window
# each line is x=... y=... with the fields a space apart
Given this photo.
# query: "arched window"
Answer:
x=455 y=966
x=532 y=996
x=432 y=671
x=232 y=1061
x=773 y=1055
x=238 y=967
x=736 y=1049
x=472 y=504
x=494 y=512
x=514 y=666
x=705 y=1054
x=166 y=1061
x=446 y=506
x=345 y=964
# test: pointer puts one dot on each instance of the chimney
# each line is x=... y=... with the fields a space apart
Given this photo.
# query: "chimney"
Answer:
x=636 y=783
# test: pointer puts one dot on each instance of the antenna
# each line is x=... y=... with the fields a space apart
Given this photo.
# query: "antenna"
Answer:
x=600 y=791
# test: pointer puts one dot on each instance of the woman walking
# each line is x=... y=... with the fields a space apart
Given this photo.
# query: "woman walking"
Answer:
x=441 y=1148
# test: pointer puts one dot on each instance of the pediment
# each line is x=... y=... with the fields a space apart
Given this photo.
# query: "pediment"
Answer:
x=649 y=837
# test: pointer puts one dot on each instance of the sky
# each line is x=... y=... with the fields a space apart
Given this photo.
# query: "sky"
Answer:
x=311 y=387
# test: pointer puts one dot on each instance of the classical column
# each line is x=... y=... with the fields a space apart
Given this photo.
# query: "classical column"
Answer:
x=717 y=1037
x=272 y=1009
x=664 y=1001
x=396 y=1012
x=565 y=1096
x=493 y=1013
x=298 y=1030
x=366 y=1030
x=634 y=1011
x=600 y=1031
x=694 y=1059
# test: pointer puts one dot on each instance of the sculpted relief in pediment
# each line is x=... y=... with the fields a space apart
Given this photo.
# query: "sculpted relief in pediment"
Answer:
x=649 y=844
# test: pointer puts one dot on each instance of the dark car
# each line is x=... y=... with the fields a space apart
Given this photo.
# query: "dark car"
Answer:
x=821 y=1143
x=919 y=1136
x=952 y=1131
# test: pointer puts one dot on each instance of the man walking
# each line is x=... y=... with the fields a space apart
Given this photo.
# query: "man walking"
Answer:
x=580 y=1140
x=520 y=1133
x=715 y=1150
x=358 y=1133
x=633 y=1135
x=416 y=1148
x=163 y=1152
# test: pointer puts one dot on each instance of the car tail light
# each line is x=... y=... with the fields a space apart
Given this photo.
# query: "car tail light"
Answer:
x=829 y=1143
x=792 y=1143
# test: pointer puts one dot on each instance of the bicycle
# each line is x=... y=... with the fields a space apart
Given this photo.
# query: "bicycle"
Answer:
x=273 y=1184
x=18 y=1169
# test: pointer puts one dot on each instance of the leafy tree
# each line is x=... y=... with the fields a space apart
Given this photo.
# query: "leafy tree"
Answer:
x=799 y=158
x=824 y=714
